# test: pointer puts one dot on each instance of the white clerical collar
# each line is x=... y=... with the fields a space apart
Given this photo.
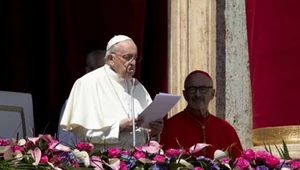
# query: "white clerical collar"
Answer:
x=113 y=75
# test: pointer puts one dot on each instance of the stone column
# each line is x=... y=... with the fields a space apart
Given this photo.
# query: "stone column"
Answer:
x=192 y=43
x=238 y=90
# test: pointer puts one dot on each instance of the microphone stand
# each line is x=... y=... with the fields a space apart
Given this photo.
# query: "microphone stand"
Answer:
x=132 y=111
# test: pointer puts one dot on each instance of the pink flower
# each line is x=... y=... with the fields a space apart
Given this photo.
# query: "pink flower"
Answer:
x=173 y=152
x=125 y=152
x=159 y=158
x=198 y=168
x=4 y=142
x=34 y=140
x=48 y=138
x=261 y=155
x=56 y=158
x=139 y=148
x=44 y=158
x=248 y=154
x=29 y=144
x=36 y=155
x=198 y=147
x=242 y=163
x=96 y=162
x=272 y=161
x=225 y=161
x=52 y=143
x=84 y=146
x=15 y=148
x=295 y=164
x=57 y=146
x=139 y=154
x=123 y=166
x=49 y=144
x=152 y=147
x=114 y=152
x=113 y=163
x=75 y=163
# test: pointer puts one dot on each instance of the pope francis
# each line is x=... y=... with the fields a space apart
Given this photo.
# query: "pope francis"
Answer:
x=104 y=105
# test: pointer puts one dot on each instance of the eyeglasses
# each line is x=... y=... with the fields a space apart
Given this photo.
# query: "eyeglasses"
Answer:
x=202 y=89
x=129 y=57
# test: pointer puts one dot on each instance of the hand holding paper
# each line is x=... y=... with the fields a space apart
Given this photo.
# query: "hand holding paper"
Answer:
x=126 y=124
x=156 y=127
x=159 y=108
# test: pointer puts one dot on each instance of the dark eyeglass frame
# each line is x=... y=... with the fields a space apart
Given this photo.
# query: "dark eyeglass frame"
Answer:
x=129 y=57
x=194 y=89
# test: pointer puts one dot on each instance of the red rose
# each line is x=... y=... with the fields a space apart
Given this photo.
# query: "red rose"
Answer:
x=159 y=158
x=114 y=152
x=261 y=155
x=242 y=163
x=272 y=161
x=139 y=154
x=248 y=154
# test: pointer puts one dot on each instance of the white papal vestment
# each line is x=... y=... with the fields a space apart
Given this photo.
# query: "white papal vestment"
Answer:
x=96 y=104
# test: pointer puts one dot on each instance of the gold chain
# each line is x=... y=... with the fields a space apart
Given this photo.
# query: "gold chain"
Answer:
x=202 y=125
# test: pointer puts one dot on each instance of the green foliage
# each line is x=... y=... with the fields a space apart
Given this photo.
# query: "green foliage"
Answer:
x=283 y=152
x=268 y=148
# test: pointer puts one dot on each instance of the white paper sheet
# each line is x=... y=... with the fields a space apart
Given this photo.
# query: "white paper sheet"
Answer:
x=161 y=105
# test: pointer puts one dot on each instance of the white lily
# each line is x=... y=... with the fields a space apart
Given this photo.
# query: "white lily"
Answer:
x=187 y=164
x=8 y=154
x=219 y=154
x=3 y=149
x=21 y=142
x=52 y=166
x=114 y=164
x=83 y=156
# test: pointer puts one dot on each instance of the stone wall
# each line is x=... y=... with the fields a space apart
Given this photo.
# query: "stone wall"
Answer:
x=238 y=90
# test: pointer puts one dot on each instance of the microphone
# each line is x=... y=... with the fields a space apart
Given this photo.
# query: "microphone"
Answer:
x=132 y=111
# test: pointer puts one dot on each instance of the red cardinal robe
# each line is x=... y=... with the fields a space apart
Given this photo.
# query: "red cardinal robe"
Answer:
x=187 y=130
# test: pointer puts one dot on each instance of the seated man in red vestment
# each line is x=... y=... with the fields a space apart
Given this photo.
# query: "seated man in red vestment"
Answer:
x=196 y=125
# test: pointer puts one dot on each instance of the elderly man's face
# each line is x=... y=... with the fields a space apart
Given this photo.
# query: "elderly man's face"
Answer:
x=124 y=59
x=198 y=91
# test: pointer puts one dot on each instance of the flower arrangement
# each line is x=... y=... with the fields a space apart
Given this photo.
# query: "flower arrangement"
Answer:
x=46 y=152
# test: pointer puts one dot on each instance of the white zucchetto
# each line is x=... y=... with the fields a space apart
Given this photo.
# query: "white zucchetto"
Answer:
x=116 y=39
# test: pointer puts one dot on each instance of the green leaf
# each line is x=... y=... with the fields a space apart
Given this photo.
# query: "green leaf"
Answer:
x=279 y=151
x=270 y=150
x=266 y=148
x=286 y=151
